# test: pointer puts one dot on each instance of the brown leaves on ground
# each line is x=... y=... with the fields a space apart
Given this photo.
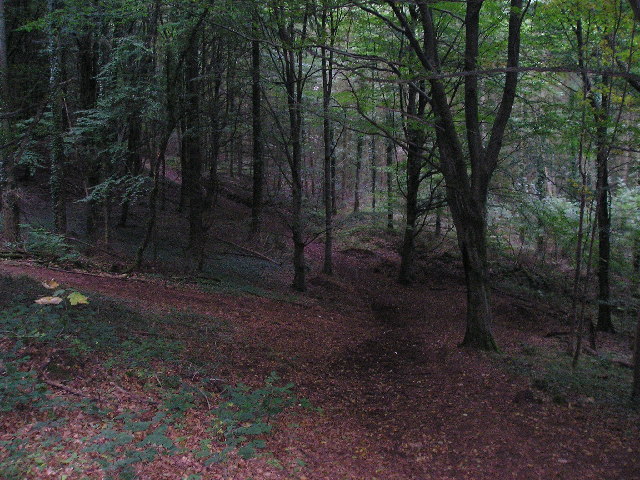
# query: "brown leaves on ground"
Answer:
x=399 y=399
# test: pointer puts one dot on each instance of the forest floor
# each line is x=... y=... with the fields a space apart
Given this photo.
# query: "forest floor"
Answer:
x=392 y=395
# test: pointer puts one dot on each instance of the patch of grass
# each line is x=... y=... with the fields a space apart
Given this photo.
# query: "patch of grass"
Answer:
x=237 y=288
x=595 y=379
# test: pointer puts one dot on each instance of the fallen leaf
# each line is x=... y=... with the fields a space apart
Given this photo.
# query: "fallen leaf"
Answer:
x=51 y=284
x=76 y=298
x=49 y=301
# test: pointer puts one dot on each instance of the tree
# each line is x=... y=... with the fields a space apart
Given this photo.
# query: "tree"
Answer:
x=8 y=188
x=327 y=27
x=415 y=138
x=56 y=181
x=467 y=168
x=258 y=155
x=288 y=24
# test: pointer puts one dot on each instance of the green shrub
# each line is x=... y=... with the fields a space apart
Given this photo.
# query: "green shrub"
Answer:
x=43 y=243
x=246 y=415
x=18 y=388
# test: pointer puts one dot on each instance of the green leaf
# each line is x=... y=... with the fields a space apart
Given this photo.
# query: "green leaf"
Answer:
x=76 y=298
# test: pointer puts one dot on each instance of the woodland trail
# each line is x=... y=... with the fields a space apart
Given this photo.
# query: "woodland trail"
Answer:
x=399 y=399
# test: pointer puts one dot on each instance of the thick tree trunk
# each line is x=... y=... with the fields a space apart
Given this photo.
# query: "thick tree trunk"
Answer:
x=56 y=181
x=415 y=136
x=193 y=156
x=297 y=227
x=294 y=81
x=605 y=323
x=8 y=187
x=183 y=166
x=334 y=193
x=413 y=184
x=408 y=243
x=216 y=132
x=258 y=157
x=541 y=190
x=87 y=71
x=470 y=222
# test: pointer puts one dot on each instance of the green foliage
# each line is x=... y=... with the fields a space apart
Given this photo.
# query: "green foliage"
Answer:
x=625 y=206
x=595 y=379
x=128 y=187
x=18 y=388
x=135 y=352
x=246 y=415
x=49 y=245
x=18 y=459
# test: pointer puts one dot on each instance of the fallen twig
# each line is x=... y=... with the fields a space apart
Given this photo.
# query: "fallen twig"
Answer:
x=67 y=389
x=248 y=250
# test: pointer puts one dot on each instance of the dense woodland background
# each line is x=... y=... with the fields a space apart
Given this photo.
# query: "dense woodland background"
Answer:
x=507 y=128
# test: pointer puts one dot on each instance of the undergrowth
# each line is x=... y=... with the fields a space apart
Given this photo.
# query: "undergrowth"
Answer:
x=38 y=342
x=596 y=379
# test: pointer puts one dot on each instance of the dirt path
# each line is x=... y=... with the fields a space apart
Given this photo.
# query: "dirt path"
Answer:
x=399 y=399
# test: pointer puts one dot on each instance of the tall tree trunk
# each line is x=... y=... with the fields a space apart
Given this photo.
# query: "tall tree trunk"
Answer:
x=294 y=81
x=635 y=393
x=541 y=191
x=356 y=193
x=415 y=139
x=389 y=157
x=329 y=157
x=471 y=230
x=184 y=193
x=193 y=156
x=468 y=167
x=88 y=84
x=604 y=323
x=600 y=105
x=258 y=157
x=8 y=187
x=299 y=267
x=216 y=132
x=56 y=180
x=374 y=171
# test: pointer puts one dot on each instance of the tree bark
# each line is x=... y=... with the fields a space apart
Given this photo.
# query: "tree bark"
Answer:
x=389 y=158
x=258 y=157
x=56 y=180
x=294 y=81
x=193 y=156
x=635 y=393
x=356 y=190
x=604 y=323
x=8 y=187
x=416 y=105
x=467 y=174
x=374 y=171
x=600 y=106
x=329 y=158
x=87 y=71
